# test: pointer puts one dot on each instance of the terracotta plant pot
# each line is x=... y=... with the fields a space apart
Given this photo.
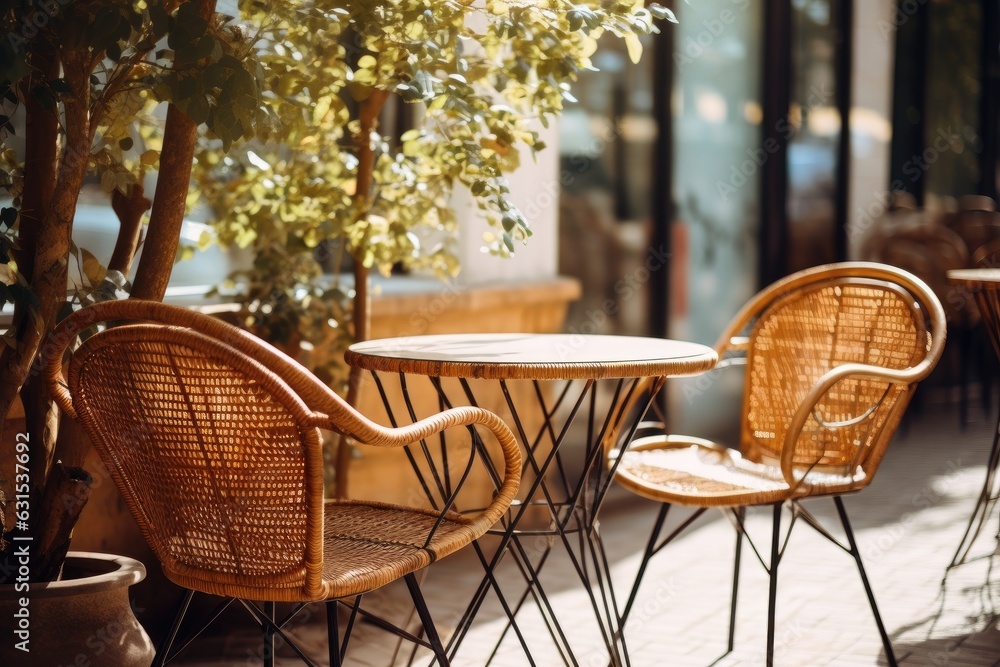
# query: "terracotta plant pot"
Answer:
x=83 y=620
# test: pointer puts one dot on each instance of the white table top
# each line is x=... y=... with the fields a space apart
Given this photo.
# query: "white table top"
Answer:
x=975 y=277
x=532 y=356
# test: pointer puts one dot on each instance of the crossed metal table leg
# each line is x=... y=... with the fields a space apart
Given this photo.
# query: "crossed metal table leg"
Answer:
x=568 y=486
x=988 y=299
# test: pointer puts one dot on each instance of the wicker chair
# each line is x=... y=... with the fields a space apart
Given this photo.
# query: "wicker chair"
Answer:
x=976 y=227
x=833 y=355
x=929 y=251
x=213 y=439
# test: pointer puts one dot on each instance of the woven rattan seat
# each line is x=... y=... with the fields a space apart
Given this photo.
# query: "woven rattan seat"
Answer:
x=833 y=355
x=364 y=543
x=213 y=439
x=684 y=470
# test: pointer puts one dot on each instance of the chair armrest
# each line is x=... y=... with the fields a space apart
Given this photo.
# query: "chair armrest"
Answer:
x=808 y=405
x=370 y=433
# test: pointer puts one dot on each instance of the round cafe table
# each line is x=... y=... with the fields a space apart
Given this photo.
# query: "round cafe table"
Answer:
x=585 y=396
x=984 y=284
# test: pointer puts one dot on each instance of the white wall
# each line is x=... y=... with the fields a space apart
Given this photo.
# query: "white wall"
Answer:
x=534 y=188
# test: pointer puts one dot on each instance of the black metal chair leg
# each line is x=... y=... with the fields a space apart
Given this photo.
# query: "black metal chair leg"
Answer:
x=268 y=635
x=964 y=355
x=890 y=656
x=168 y=641
x=332 y=633
x=661 y=517
x=985 y=365
x=772 y=570
x=741 y=513
x=425 y=619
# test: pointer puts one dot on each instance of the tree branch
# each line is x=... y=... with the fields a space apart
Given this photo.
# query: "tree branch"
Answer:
x=41 y=126
x=361 y=316
x=170 y=198
x=129 y=209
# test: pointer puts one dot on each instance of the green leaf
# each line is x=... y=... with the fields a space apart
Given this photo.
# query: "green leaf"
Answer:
x=408 y=93
x=92 y=267
x=197 y=108
x=508 y=241
x=108 y=181
x=661 y=12
x=509 y=221
x=159 y=18
x=360 y=92
x=8 y=276
x=189 y=25
x=411 y=135
x=215 y=75
x=116 y=278
x=206 y=45
x=184 y=88
x=634 y=47
x=103 y=30
x=60 y=86
x=8 y=216
x=126 y=144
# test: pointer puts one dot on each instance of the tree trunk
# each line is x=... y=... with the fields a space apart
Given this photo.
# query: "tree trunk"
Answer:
x=361 y=315
x=40 y=133
x=66 y=492
x=49 y=278
x=129 y=209
x=167 y=216
x=41 y=127
x=170 y=198
x=48 y=281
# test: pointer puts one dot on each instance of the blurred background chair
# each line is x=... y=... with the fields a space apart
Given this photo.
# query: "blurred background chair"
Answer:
x=976 y=203
x=833 y=355
x=928 y=251
x=976 y=227
x=213 y=439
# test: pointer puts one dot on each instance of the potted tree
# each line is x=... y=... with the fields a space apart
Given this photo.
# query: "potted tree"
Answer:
x=79 y=83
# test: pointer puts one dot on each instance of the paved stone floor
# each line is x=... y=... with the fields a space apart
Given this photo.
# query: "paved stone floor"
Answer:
x=908 y=524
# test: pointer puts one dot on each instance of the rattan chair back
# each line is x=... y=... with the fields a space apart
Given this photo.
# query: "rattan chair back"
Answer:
x=821 y=349
x=212 y=448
